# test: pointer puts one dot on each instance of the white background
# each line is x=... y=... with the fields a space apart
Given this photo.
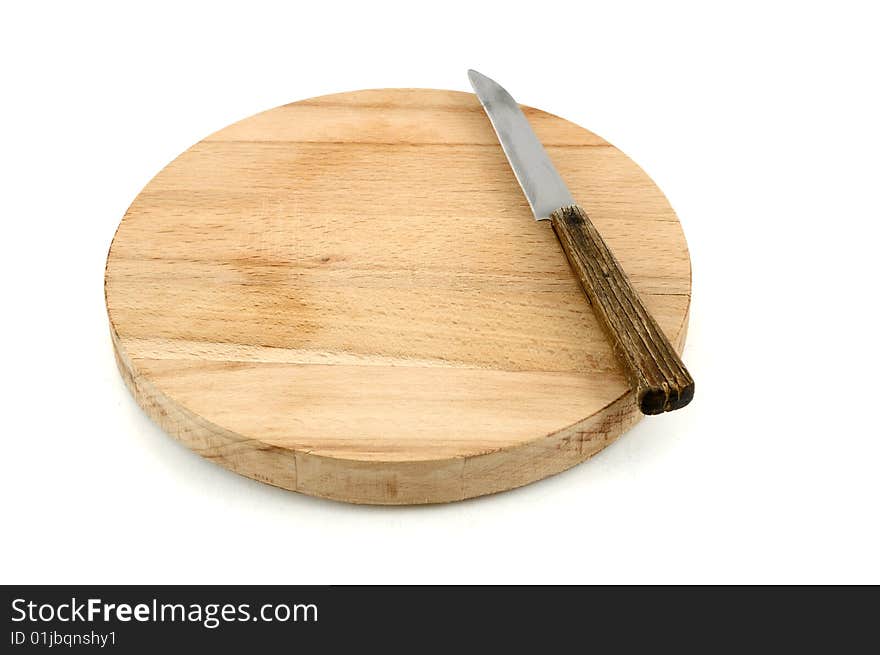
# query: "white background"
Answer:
x=759 y=122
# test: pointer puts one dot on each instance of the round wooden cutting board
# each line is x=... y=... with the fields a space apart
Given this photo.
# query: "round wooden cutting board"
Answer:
x=348 y=297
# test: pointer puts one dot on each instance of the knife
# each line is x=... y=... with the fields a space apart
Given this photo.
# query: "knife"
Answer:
x=653 y=368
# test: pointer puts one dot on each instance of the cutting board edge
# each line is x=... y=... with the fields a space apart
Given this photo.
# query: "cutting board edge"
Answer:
x=386 y=482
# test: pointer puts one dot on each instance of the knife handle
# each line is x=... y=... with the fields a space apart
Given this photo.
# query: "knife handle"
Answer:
x=654 y=369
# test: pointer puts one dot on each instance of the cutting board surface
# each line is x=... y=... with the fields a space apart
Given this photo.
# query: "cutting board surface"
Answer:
x=348 y=296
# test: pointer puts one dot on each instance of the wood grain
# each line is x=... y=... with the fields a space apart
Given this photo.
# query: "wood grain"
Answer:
x=348 y=297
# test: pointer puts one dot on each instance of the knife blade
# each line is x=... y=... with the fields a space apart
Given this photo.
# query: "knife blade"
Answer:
x=654 y=369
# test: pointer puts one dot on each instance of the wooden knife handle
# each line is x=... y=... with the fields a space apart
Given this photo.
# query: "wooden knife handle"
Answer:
x=661 y=381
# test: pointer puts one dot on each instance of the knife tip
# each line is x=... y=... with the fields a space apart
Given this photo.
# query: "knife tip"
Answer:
x=478 y=80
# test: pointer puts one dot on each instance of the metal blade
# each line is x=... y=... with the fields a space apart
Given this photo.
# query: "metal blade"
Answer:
x=544 y=189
